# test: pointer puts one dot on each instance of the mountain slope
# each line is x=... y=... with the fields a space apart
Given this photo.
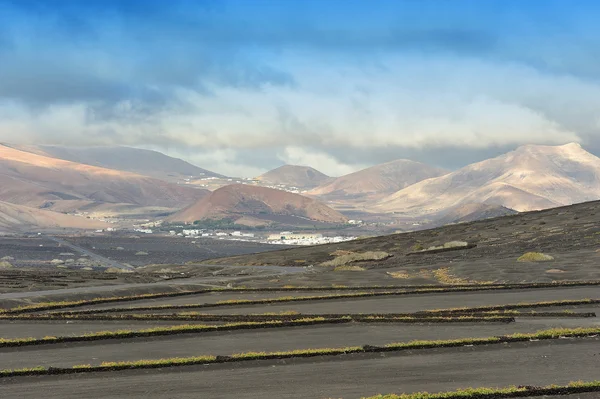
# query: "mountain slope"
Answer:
x=36 y=180
x=378 y=180
x=136 y=160
x=240 y=200
x=18 y=218
x=303 y=177
x=529 y=178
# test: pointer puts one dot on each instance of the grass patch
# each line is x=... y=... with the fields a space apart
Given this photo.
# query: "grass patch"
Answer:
x=342 y=260
x=509 y=392
x=393 y=347
x=4 y=264
x=401 y=274
x=349 y=268
x=416 y=288
x=160 y=331
x=535 y=257
x=424 y=316
x=521 y=305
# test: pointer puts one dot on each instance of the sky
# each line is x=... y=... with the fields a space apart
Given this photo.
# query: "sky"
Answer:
x=240 y=87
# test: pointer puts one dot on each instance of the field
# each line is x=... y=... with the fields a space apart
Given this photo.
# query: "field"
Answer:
x=283 y=331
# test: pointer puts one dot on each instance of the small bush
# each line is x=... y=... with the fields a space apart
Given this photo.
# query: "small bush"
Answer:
x=57 y=262
x=356 y=257
x=399 y=274
x=535 y=257
x=456 y=244
x=348 y=268
x=5 y=265
x=7 y=258
x=140 y=253
x=417 y=247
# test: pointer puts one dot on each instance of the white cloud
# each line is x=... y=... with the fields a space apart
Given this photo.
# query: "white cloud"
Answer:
x=321 y=161
x=393 y=102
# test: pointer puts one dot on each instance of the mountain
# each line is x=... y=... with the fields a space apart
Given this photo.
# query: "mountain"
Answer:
x=19 y=218
x=239 y=200
x=39 y=181
x=144 y=162
x=378 y=180
x=302 y=177
x=530 y=178
x=471 y=212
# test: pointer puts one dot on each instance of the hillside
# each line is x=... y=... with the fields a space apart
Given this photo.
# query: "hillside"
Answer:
x=567 y=233
x=240 y=200
x=136 y=160
x=529 y=178
x=377 y=181
x=302 y=177
x=19 y=218
x=471 y=212
x=41 y=181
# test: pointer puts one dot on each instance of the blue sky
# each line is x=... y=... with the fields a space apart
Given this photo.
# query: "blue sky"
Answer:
x=243 y=86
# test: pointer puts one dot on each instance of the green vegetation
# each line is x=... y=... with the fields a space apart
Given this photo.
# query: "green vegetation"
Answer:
x=351 y=268
x=510 y=392
x=345 y=259
x=393 y=347
x=5 y=264
x=416 y=289
x=158 y=331
x=535 y=257
x=568 y=302
x=420 y=317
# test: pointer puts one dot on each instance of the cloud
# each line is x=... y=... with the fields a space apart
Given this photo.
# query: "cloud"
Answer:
x=406 y=103
x=318 y=160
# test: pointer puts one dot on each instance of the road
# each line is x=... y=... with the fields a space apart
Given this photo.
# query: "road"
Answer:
x=99 y=258
x=351 y=376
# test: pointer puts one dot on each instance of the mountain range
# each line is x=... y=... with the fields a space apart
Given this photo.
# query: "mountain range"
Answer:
x=532 y=177
x=377 y=181
x=136 y=160
x=36 y=180
x=45 y=182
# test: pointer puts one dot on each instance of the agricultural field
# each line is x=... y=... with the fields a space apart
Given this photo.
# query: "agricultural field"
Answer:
x=284 y=331
x=277 y=343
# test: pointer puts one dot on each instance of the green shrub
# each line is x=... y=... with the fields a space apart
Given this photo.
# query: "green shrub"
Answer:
x=356 y=257
x=535 y=257
x=348 y=268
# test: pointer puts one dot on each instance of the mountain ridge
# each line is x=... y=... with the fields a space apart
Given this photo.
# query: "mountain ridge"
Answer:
x=532 y=177
x=302 y=177
x=239 y=200
x=378 y=180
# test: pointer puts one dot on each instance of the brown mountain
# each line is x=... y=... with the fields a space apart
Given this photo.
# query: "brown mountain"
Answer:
x=302 y=177
x=19 y=218
x=39 y=181
x=377 y=181
x=136 y=160
x=529 y=178
x=471 y=212
x=239 y=200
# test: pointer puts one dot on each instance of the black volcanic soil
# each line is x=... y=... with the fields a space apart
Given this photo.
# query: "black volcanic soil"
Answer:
x=570 y=234
x=350 y=376
x=226 y=343
x=166 y=250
